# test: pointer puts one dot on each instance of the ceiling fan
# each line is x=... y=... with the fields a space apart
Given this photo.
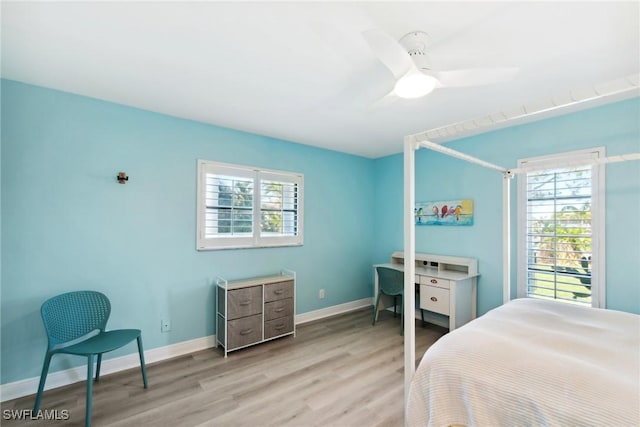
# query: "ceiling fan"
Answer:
x=410 y=65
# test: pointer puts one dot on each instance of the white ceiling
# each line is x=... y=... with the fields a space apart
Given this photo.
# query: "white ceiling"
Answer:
x=302 y=71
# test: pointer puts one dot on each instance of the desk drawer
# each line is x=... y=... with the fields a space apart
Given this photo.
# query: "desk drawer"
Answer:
x=244 y=302
x=277 y=309
x=279 y=290
x=433 y=281
x=245 y=331
x=434 y=299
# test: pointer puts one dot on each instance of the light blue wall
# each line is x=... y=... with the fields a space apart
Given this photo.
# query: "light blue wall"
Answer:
x=439 y=177
x=67 y=224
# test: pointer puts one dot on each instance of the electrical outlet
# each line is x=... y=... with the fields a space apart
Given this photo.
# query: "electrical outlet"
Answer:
x=321 y=293
x=165 y=325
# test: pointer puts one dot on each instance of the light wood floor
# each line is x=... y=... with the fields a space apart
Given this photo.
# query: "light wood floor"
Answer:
x=339 y=371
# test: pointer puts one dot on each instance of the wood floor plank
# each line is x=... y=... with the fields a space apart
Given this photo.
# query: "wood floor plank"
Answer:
x=338 y=371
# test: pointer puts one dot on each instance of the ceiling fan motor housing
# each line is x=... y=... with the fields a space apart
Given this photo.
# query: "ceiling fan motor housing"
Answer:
x=415 y=43
x=421 y=60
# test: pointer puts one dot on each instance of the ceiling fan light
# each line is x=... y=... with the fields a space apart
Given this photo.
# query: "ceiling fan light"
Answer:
x=414 y=85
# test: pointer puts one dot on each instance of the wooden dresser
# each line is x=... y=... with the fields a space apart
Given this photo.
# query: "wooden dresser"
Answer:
x=254 y=310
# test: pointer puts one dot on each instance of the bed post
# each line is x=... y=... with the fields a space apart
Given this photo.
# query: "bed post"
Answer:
x=410 y=146
x=506 y=236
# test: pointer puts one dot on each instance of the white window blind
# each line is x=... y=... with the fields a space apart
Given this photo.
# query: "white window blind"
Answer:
x=241 y=206
x=560 y=228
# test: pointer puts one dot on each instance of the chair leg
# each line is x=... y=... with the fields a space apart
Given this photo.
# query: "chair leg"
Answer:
x=422 y=316
x=87 y=417
x=375 y=309
x=395 y=304
x=98 y=367
x=142 y=365
x=43 y=378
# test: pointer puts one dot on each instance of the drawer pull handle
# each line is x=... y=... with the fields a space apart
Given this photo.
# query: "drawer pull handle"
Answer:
x=279 y=327
x=246 y=331
x=434 y=299
x=434 y=281
x=278 y=291
x=245 y=302
x=279 y=310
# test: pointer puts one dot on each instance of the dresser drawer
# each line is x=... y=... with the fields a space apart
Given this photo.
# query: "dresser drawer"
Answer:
x=434 y=299
x=245 y=331
x=277 y=309
x=277 y=327
x=244 y=302
x=433 y=281
x=279 y=290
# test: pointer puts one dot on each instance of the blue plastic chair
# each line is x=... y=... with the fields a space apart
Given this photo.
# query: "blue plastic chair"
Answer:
x=75 y=323
x=390 y=282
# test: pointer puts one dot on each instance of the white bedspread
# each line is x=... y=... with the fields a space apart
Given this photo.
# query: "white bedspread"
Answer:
x=532 y=362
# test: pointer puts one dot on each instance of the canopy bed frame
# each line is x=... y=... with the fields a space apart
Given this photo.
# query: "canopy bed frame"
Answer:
x=412 y=143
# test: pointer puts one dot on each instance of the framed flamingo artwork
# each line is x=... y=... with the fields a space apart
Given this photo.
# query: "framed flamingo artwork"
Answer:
x=448 y=212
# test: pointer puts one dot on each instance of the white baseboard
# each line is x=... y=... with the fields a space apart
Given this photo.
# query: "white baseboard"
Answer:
x=57 y=379
x=333 y=310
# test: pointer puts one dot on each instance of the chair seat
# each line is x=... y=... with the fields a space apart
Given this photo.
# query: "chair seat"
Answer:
x=103 y=343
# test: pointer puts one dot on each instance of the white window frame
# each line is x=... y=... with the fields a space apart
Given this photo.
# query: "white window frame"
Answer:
x=256 y=240
x=573 y=158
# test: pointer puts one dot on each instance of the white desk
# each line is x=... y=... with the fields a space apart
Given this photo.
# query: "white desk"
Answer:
x=447 y=285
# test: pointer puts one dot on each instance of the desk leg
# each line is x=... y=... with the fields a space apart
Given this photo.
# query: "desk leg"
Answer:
x=452 y=307
x=474 y=298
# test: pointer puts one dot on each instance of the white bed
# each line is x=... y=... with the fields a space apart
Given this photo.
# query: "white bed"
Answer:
x=532 y=362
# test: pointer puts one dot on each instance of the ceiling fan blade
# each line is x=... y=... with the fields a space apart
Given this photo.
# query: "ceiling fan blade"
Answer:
x=386 y=101
x=389 y=51
x=475 y=76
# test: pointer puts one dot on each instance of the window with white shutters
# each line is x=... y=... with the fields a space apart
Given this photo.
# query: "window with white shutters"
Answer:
x=560 y=228
x=240 y=206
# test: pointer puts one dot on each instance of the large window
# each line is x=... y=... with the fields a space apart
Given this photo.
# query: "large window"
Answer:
x=561 y=232
x=241 y=207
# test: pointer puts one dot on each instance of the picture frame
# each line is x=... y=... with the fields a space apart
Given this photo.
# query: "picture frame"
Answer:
x=455 y=212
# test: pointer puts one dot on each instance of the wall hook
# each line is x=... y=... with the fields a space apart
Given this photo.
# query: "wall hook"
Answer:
x=122 y=177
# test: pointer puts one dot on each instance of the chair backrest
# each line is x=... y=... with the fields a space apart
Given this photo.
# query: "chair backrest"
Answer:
x=390 y=280
x=70 y=316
